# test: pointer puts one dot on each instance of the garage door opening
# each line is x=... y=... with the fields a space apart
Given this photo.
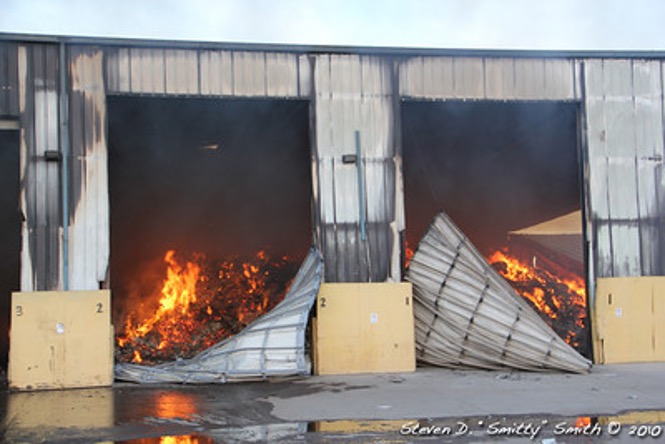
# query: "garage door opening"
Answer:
x=508 y=175
x=10 y=232
x=210 y=217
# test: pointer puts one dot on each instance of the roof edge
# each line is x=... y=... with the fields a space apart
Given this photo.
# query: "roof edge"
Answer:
x=331 y=49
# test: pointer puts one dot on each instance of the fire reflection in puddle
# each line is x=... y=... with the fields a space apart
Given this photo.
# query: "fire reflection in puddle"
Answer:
x=178 y=439
x=173 y=404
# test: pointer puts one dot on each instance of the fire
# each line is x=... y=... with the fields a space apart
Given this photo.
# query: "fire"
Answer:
x=560 y=299
x=408 y=253
x=200 y=302
x=583 y=421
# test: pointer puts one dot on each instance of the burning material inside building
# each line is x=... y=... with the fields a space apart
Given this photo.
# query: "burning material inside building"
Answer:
x=200 y=303
x=496 y=168
x=192 y=184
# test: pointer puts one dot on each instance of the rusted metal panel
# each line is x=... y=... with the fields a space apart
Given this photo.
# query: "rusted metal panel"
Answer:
x=89 y=206
x=8 y=80
x=216 y=73
x=182 y=71
x=40 y=185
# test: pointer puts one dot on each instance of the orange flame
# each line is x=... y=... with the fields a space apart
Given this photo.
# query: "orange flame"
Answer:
x=550 y=294
x=583 y=421
x=197 y=307
x=408 y=254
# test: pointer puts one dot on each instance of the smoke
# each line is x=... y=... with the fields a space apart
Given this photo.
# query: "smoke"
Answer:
x=493 y=167
x=219 y=177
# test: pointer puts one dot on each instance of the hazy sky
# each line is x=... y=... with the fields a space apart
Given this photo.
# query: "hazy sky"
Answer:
x=513 y=24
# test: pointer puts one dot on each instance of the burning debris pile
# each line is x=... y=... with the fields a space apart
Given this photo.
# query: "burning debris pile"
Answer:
x=272 y=345
x=557 y=295
x=200 y=303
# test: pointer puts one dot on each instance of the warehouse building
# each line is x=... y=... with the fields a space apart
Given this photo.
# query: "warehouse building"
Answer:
x=113 y=151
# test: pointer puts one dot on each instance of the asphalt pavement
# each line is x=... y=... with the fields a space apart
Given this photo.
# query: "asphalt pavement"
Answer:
x=621 y=403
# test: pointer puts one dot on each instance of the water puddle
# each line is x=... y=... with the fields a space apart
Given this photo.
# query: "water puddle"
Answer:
x=165 y=416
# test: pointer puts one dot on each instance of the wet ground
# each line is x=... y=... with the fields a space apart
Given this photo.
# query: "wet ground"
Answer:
x=624 y=403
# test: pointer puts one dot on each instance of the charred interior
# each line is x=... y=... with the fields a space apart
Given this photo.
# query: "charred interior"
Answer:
x=497 y=168
x=210 y=217
x=10 y=232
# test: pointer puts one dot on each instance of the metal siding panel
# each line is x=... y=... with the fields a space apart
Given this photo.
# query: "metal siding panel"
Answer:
x=530 y=79
x=620 y=126
x=379 y=185
x=26 y=157
x=147 y=71
x=649 y=150
x=438 y=77
x=346 y=193
x=326 y=173
x=353 y=95
x=411 y=77
x=617 y=76
x=499 y=79
x=281 y=75
x=118 y=70
x=216 y=73
x=622 y=189
x=40 y=194
x=345 y=75
x=375 y=125
x=124 y=70
x=89 y=212
x=559 y=80
x=648 y=108
x=8 y=80
x=626 y=249
x=304 y=76
x=375 y=76
x=322 y=79
x=182 y=71
x=604 y=257
x=469 y=78
x=249 y=74
x=596 y=145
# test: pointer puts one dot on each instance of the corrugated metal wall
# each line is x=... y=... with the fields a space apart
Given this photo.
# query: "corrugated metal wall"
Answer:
x=489 y=78
x=8 y=80
x=626 y=186
x=207 y=73
x=355 y=93
x=623 y=148
x=38 y=77
x=89 y=235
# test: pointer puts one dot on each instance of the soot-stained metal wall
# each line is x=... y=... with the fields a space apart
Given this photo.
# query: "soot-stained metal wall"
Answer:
x=40 y=199
x=620 y=98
